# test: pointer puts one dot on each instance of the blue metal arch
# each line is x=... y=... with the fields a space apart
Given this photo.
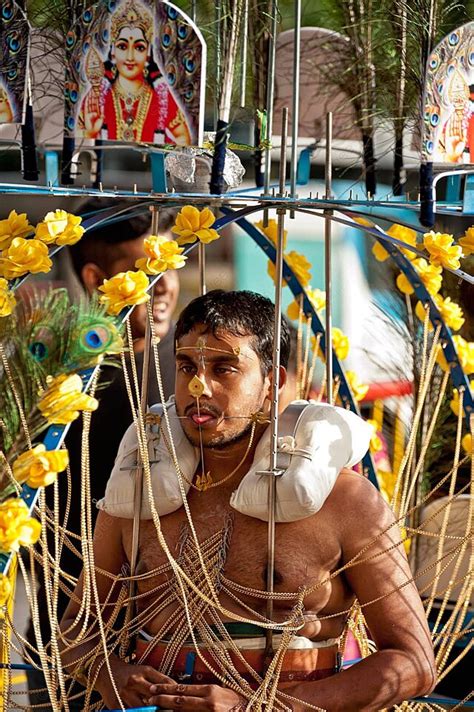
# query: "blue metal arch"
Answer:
x=316 y=325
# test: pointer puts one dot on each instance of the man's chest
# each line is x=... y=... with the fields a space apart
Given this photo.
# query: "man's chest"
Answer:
x=234 y=548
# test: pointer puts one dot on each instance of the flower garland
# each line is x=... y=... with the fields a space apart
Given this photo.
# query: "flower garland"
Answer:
x=24 y=248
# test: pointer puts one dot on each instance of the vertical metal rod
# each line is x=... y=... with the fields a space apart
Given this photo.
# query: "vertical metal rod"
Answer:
x=295 y=112
x=245 y=41
x=202 y=268
x=275 y=387
x=137 y=502
x=218 y=21
x=193 y=10
x=270 y=97
x=327 y=257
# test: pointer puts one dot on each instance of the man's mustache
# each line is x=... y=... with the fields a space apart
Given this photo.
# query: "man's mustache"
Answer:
x=206 y=408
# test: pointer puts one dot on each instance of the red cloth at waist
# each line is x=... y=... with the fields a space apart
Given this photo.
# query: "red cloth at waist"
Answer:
x=298 y=664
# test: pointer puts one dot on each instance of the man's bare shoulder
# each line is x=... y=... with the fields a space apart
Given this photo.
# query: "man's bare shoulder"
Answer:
x=357 y=505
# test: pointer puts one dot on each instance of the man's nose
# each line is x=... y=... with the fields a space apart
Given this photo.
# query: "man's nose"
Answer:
x=204 y=376
x=162 y=286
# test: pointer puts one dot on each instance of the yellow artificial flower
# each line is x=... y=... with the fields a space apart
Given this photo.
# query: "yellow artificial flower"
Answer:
x=193 y=224
x=17 y=528
x=39 y=467
x=441 y=249
x=124 y=289
x=359 y=390
x=61 y=228
x=387 y=482
x=454 y=404
x=340 y=343
x=5 y=589
x=298 y=264
x=420 y=311
x=300 y=267
x=466 y=443
x=271 y=231
x=62 y=400
x=162 y=254
x=379 y=252
x=404 y=234
x=14 y=226
x=375 y=441
x=24 y=256
x=465 y=352
x=450 y=311
x=430 y=275
x=315 y=296
x=7 y=298
x=467 y=241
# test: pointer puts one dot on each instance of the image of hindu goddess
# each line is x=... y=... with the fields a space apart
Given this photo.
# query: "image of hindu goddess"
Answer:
x=129 y=99
x=6 y=110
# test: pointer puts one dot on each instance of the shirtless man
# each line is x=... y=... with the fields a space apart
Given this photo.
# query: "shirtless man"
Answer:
x=236 y=373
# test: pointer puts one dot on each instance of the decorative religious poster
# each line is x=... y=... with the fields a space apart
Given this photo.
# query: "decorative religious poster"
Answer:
x=14 y=45
x=135 y=73
x=448 y=102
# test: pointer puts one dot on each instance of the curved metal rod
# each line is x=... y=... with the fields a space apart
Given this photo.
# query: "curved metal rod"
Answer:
x=55 y=434
x=316 y=327
x=373 y=231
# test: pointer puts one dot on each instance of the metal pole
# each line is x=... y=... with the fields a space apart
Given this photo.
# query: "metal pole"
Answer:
x=245 y=41
x=275 y=390
x=295 y=113
x=327 y=257
x=270 y=97
x=202 y=268
x=218 y=88
x=193 y=10
x=137 y=501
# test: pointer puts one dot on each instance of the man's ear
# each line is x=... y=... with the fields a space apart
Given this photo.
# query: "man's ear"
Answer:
x=283 y=379
x=92 y=277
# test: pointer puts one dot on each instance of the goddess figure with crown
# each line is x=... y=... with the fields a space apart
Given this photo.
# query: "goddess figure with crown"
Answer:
x=128 y=98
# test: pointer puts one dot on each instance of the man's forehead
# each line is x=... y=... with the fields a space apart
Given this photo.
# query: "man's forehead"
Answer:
x=199 y=340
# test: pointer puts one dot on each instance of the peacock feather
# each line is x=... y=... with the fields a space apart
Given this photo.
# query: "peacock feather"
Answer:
x=14 y=39
x=47 y=335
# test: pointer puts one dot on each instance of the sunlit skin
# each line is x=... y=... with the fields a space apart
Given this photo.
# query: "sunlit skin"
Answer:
x=353 y=517
x=234 y=388
x=166 y=289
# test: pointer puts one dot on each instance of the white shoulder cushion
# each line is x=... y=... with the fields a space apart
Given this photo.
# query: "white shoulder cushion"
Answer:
x=119 y=494
x=325 y=440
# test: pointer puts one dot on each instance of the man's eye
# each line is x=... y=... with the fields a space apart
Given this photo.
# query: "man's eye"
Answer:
x=186 y=368
x=223 y=370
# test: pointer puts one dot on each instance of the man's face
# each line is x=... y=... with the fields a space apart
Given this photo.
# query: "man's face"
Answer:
x=166 y=290
x=234 y=387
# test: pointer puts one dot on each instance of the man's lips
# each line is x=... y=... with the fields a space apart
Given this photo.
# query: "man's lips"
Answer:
x=202 y=419
x=202 y=416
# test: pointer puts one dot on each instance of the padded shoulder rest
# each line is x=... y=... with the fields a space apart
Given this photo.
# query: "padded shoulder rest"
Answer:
x=316 y=441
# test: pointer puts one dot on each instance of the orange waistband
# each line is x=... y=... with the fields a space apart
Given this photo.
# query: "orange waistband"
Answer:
x=298 y=664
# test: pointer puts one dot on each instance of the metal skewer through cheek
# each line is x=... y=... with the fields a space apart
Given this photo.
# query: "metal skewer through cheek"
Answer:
x=272 y=470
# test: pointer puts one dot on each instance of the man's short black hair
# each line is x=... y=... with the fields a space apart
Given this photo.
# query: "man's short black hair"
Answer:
x=241 y=314
x=101 y=244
